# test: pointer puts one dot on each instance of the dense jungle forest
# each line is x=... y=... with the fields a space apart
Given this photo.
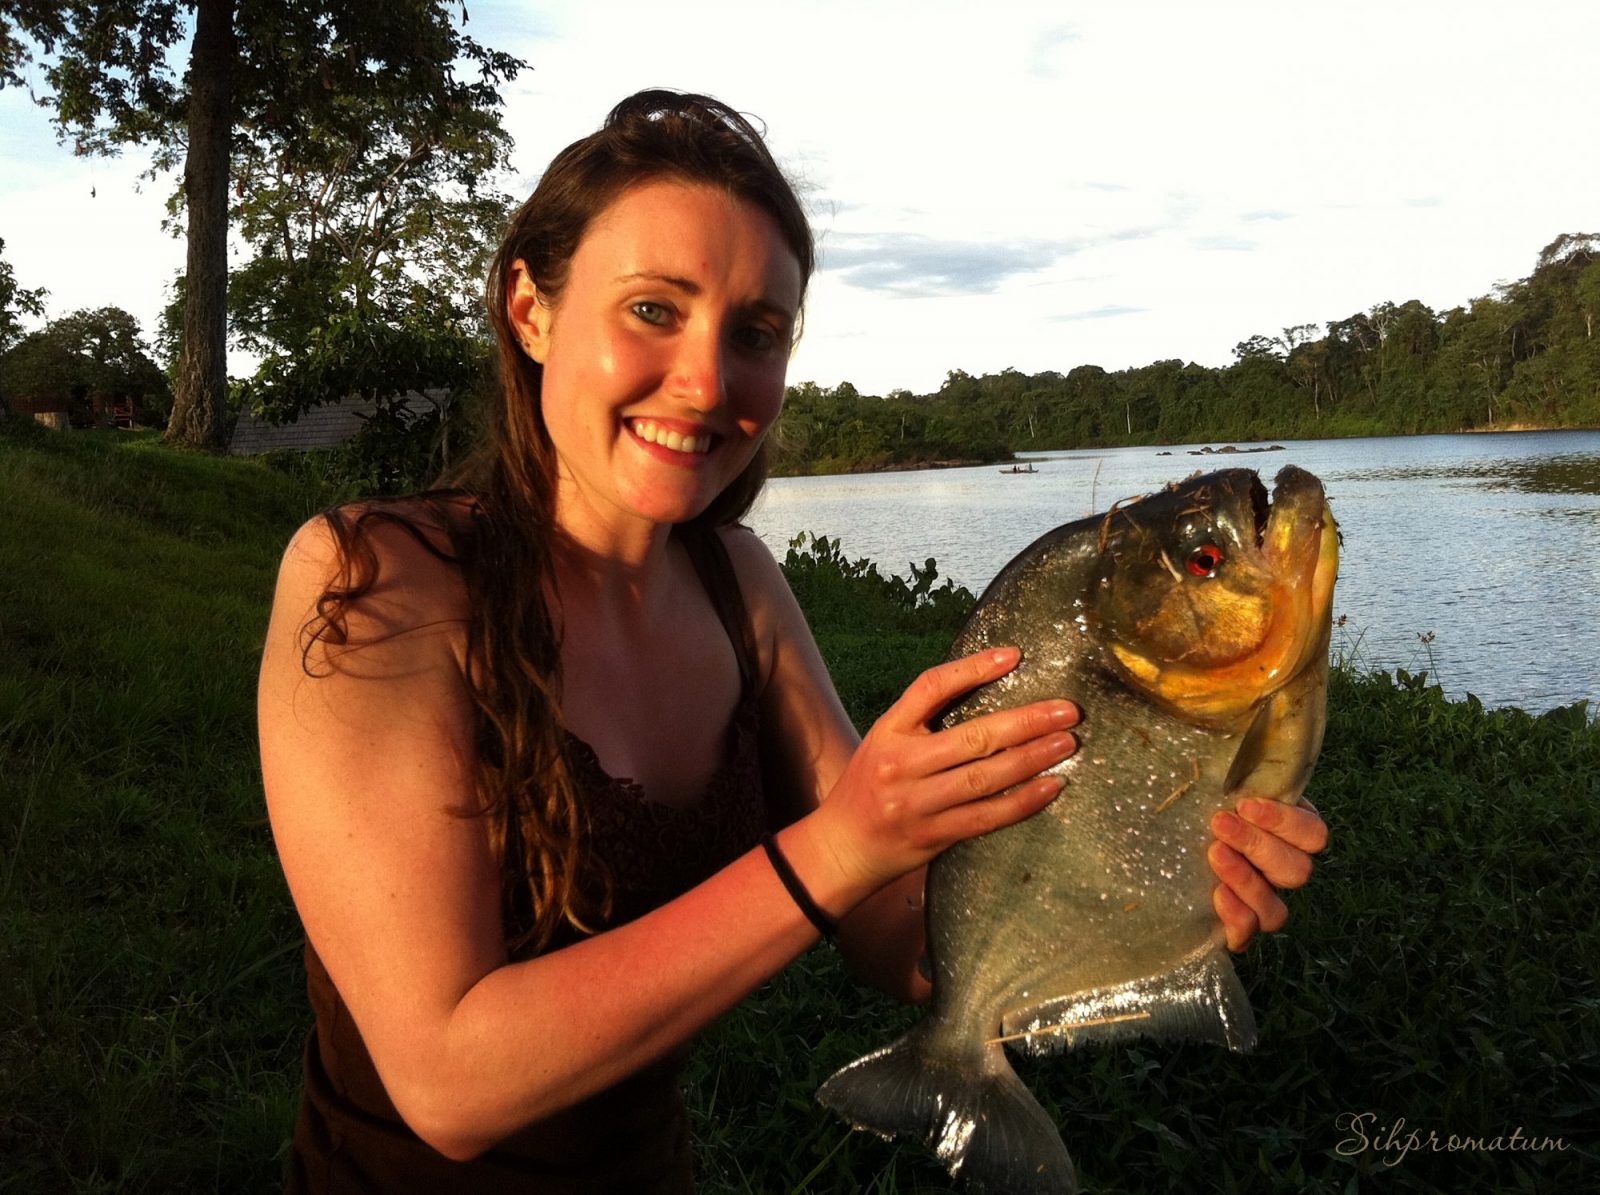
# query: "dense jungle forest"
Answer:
x=1525 y=354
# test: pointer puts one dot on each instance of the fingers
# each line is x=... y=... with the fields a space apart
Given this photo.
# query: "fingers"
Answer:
x=1244 y=900
x=1272 y=851
x=997 y=773
x=985 y=735
x=943 y=683
x=1238 y=920
x=1299 y=825
x=971 y=818
x=1265 y=846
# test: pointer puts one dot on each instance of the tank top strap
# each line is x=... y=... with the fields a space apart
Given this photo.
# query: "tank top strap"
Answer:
x=710 y=557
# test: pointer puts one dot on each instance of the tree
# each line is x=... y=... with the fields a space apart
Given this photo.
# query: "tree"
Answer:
x=1588 y=296
x=1258 y=346
x=86 y=359
x=1257 y=390
x=1308 y=360
x=1352 y=343
x=1577 y=248
x=1475 y=359
x=279 y=83
x=1405 y=361
x=371 y=246
x=15 y=302
x=1087 y=413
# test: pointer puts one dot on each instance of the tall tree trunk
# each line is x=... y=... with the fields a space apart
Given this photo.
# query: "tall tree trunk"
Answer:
x=203 y=364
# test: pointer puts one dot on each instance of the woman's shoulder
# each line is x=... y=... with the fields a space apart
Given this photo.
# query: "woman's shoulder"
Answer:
x=395 y=563
x=753 y=563
x=775 y=616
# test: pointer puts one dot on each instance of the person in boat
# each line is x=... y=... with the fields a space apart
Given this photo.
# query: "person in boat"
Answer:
x=554 y=768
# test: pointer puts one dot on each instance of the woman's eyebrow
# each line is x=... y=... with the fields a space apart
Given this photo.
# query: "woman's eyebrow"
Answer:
x=683 y=284
x=690 y=287
x=776 y=310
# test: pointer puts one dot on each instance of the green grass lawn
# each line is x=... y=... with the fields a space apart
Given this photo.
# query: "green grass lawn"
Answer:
x=1440 y=968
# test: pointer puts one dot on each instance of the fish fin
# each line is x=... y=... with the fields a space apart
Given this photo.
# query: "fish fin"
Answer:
x=1252 y=750
x=969 y=1108
x=1201 y=999
x=1279 y=751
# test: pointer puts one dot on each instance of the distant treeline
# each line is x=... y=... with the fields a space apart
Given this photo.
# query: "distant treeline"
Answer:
x=1524 y=355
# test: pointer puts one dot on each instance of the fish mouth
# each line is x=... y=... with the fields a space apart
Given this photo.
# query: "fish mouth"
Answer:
x=1300 y=540
x=1296 y=561
x=1261 y=506
x=1299 y=543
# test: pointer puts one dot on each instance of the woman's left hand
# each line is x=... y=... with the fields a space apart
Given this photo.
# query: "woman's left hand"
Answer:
x=1265 y=846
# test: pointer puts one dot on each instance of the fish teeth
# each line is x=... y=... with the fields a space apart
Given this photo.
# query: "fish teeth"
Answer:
x=654 y=433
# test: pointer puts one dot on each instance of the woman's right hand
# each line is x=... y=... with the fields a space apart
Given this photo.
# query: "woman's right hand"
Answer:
x=909 y=791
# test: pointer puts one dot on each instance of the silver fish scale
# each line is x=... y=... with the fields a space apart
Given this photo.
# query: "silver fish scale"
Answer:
x=1115 y=889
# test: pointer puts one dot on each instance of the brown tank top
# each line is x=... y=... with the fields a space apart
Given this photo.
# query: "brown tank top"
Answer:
x=633 y=1137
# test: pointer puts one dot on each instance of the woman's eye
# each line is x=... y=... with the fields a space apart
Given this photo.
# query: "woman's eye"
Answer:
x=651 y=313
x=1204 y=560
x=757 y=338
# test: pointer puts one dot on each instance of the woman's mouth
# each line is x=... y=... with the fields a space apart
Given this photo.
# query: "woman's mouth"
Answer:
x=686 y=444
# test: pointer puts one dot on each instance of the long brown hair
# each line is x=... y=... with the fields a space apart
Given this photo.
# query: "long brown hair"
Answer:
x=523 y=777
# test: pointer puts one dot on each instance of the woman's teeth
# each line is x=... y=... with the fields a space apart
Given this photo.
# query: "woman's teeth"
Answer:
x=653 y=433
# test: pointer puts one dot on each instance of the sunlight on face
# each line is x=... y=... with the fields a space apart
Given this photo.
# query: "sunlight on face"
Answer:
x=666 y=353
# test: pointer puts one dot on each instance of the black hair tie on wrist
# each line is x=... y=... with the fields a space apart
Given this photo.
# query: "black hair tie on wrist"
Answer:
x=797 y=891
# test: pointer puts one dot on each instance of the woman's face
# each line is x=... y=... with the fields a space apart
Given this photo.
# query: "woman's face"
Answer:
x=664 y=359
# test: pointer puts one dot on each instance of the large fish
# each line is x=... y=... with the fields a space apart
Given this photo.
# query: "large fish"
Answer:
x=1192 y=627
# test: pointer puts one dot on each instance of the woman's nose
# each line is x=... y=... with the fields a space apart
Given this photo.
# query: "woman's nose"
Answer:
x=699 y=372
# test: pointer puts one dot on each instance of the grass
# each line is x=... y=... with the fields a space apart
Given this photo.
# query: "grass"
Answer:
x=146 y=962
x=1440 y=968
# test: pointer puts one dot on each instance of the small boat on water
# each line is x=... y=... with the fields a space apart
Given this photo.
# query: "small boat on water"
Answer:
x=1020 y=469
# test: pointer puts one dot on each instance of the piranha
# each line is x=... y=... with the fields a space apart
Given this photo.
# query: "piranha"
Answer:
x=1192 y=628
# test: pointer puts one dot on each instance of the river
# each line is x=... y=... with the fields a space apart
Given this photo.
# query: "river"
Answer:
x=1474 y=557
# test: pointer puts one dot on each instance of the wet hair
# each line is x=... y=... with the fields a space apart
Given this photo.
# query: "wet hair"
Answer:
x=523 y=775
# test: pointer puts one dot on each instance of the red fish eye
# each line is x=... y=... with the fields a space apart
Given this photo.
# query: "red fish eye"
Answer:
x=1204 y=560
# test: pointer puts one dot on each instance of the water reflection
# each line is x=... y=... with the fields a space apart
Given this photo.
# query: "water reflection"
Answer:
x=1490 y=543
x=1578 y=473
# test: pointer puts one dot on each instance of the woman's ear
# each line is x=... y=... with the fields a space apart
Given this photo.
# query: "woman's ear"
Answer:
x=530 y=315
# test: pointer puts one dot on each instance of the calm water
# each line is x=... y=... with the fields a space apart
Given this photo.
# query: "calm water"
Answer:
x=1490 y=544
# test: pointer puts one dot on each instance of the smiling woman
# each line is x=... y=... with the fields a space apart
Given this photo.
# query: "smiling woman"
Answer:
x=554 y=768
x=686 y=298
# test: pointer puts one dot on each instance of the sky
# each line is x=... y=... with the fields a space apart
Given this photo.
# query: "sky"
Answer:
x=1033 y=186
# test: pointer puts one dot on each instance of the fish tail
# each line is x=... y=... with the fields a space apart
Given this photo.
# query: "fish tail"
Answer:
x=966 y=1104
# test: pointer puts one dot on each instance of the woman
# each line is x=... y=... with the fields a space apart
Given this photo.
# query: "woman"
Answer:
x=509 y=946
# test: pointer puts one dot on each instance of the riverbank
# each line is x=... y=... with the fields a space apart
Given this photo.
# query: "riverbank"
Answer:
x=842 y=469
x=1438 y=968
x=1527 y=427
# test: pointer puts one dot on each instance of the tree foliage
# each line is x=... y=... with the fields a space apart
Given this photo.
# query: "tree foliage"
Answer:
x=329 y=119
x=15 y=302
x=831 y=430
x=1525 y=354
x=371 y=242
x=84 y=357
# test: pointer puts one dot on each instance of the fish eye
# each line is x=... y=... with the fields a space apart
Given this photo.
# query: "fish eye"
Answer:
x=1204 y=560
